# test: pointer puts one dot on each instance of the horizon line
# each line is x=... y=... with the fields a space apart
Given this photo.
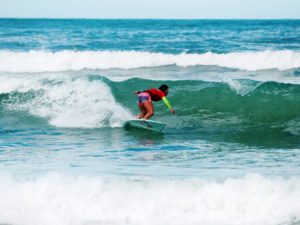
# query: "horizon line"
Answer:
x=124 y=18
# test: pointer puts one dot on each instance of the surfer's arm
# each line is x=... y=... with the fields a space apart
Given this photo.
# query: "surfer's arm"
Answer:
x=166 y=101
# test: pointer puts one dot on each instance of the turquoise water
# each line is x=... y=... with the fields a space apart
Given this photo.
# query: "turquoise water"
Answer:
x=230 y=155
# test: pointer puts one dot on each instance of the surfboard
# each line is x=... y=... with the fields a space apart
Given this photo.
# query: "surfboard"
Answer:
x=146 y=124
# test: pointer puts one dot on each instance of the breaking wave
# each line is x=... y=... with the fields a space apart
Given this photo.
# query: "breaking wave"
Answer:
x=44 y=61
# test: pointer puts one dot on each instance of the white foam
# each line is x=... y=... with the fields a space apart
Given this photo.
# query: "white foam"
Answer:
x=242 y=87
x=64 y=200
x=43 y=61
x=67 y=101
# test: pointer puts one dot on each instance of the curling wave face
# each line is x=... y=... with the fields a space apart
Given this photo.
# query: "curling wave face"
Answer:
x=246 y=108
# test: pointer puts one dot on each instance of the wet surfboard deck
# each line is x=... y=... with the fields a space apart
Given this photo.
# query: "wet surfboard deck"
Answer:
x=146 y=124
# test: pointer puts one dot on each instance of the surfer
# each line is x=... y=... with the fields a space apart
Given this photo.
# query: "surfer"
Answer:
x=146 y=97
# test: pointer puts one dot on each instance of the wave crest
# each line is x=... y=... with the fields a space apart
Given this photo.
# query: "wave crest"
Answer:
x=67 y=102
x=42 y=61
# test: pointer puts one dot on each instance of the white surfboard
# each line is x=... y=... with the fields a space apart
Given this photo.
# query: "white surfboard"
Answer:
x=146 y=124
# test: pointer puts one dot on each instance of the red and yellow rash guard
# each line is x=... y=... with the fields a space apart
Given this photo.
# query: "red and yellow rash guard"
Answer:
x=157 y=95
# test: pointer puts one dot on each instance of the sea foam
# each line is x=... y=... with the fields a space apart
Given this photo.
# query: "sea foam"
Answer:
x=66 y=101
x=65 y=200
x=43 y=61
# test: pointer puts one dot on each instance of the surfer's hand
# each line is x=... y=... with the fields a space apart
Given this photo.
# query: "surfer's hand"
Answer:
x=172 y=111
x=136 y=92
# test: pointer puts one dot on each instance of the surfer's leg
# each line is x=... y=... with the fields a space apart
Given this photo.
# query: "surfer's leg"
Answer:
x=150 y=110
x=142 y=109
x=143 y=98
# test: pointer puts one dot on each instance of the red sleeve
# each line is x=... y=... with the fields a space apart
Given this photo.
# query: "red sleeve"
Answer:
x=156 y=94
x=161 y=94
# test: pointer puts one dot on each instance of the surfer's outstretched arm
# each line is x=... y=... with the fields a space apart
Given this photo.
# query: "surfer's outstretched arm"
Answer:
x=166 y=101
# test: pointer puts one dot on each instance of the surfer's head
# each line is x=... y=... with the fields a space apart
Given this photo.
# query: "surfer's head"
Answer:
x=164 y=88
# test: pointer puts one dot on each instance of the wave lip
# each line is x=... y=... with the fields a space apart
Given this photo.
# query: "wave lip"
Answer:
x=43 y=61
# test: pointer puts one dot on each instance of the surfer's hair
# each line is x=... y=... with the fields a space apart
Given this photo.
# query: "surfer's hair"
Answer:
x=163 y=87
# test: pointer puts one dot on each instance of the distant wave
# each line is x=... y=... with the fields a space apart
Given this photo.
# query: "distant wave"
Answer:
x=43 y=61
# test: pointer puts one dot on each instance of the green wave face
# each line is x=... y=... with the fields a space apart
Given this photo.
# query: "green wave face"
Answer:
x=242 y=111
x=257 y=103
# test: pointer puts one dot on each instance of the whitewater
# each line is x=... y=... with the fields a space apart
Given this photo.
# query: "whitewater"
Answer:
x=41 y=61
x=229 y=156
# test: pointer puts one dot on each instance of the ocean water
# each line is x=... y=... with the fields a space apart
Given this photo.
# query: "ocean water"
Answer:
x=230 y=155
